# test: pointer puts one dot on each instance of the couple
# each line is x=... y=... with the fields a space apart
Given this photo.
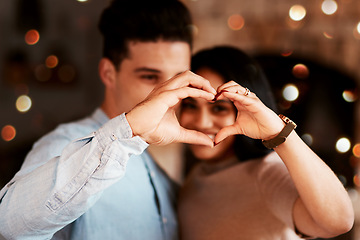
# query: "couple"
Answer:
x=93 y=179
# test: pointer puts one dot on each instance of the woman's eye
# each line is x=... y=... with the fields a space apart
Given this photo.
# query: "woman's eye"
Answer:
x=218 y=109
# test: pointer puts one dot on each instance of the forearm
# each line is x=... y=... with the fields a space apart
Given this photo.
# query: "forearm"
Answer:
x=321 y=193
x=58 y=192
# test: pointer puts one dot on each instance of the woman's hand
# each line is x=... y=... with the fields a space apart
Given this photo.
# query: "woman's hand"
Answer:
x=254 y=119
x=154 y=119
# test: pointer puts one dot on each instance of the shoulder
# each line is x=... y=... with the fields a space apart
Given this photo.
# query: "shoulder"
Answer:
x=53 y=143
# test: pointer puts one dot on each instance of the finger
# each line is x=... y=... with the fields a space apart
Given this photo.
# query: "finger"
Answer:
x=226 y=85
x=172 y=97
x=195 y=137
x=191 y=79
x=238 y=98
x=226 y=132
x=238 y=89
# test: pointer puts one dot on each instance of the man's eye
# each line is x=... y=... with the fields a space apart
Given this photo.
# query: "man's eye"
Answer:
x=150 y=77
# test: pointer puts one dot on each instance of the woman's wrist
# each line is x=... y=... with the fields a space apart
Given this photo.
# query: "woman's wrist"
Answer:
x=280 y=138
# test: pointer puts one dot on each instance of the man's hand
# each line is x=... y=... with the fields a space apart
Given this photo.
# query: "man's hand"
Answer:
x=154 y=119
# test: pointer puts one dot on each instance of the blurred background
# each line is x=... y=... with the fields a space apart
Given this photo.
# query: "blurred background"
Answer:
x=309 y=49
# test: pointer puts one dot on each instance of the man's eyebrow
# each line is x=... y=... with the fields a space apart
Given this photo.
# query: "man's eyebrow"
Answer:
x=145 y=69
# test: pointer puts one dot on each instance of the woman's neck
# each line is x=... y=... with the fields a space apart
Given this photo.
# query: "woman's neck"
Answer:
x=210 y=167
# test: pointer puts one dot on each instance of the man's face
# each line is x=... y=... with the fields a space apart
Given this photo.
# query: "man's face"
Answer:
x=148 y=64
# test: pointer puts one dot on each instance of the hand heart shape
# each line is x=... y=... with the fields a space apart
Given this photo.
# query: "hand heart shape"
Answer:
x=155 y=119
x=250 y=116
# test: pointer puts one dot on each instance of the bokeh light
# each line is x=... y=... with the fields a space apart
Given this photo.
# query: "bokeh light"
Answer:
x=307 y=138
x=328 y=35
x=236 y=22
x=286 y=53
x=23 y=103
x=356 y=31
x=8 y=133
x=349 y=96
x=194 y=29
x=51 y=61
x=290 y=92
x=343 y=145
x=42 y=73
x=32 y=37
x=300 y=71
x=356 y=180
x=329 y=7
x=66 y=73
x=356 y=150
x=297 y=12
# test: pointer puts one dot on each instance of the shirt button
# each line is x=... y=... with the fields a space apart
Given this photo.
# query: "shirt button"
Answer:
x=113 y=137
x=164 y=219
x=152 y=174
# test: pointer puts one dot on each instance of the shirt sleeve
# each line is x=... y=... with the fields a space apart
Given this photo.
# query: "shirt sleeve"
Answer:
x=278 y=189
x=42 y=201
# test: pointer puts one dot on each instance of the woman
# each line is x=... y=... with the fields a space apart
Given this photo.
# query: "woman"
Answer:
x=240 y=189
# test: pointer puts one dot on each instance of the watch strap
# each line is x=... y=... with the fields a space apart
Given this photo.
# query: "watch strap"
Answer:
x=281 y=137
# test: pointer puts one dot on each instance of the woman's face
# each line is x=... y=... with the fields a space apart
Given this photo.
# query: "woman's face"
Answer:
x=209 y=117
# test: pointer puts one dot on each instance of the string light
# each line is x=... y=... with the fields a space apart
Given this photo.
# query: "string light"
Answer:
x=300 y=71
x=356 y=150
x=236 y=22
x=308 y=139
x=290 y=92
x=297 y=12
x=349 y=96
x=51 y=61
x=343 y=145
x=329 y=7
x=32 y=37
x=8 y=133
x=23 y=103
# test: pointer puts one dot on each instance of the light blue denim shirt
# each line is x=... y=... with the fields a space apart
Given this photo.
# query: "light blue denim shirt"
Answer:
x=103 y=186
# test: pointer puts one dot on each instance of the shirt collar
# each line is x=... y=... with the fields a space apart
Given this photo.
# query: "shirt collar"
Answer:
x=100 y=117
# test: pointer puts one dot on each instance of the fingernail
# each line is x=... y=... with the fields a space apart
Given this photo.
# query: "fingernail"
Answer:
x=218 y=94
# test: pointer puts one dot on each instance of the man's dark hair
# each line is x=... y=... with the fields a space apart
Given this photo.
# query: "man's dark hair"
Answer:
x=144 y=21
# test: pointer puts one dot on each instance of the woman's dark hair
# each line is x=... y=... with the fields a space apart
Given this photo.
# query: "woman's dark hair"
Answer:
x=144 y=21
x=233 y=64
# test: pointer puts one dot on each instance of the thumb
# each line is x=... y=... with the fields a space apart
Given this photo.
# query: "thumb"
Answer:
x=224 y=133
x=195 y=137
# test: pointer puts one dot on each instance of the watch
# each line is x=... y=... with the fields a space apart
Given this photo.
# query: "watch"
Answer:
x=281 y=137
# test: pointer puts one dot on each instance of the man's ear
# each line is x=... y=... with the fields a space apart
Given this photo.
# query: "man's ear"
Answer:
x=107 y=72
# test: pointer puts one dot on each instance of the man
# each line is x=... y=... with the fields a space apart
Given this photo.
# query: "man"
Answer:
x=92 y=179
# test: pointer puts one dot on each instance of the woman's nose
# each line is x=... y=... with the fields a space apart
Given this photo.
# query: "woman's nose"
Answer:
x=204 y=120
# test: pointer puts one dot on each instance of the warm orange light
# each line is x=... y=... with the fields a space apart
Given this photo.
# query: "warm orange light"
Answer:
x=51 y=61
x=236 y=22
x=286 y=53
x=328 y=35
x=8 y=133
x=300 y=71
x=356 y=150
x=32 y=37
x=356 y=180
